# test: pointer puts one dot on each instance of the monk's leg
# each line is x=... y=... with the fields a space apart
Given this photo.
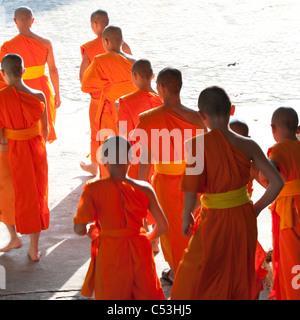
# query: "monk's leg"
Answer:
x=15 y=242
x=33 y=252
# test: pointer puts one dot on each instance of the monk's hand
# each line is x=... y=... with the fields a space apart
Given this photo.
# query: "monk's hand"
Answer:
x=187 y=225
x=57 y=101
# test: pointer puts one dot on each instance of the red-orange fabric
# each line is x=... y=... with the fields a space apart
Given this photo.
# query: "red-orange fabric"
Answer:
x=123 y=267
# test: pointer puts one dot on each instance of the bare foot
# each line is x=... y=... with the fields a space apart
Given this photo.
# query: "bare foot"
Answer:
x=13 y=244
x=155 y=247
x=91 y=168
x=34 y=255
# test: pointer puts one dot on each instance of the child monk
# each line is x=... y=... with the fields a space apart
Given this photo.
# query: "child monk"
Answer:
x=285 y=156
x=132 y=104
x=21 y=111
x=109 y=73
x=241 y=127
x=168 y=166
x=219 y=261
x=36 y=52
x=122 y=265
x=99 y=20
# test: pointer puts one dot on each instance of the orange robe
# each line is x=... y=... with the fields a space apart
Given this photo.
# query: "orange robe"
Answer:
x=219 y=262
x=34 y=54
x=130 y=106
x=27 y=160
x=286 y=226
x=122 y=265
x=166 y=185
x=92 y=49
x=111 y=74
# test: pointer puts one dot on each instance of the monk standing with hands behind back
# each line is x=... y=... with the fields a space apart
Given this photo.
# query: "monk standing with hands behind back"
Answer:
x=109 y=73
x=35 y=52
x=21 y=110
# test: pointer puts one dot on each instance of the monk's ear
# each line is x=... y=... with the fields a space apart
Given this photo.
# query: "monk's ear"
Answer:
x=232 y=110
x=24 y=70
x=298 y=130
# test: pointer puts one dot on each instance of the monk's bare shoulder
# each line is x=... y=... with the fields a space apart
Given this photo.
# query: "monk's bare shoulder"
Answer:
x=43 y=41
x=142 y=185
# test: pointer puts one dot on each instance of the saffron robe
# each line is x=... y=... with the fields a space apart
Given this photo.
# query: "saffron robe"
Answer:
x=34 y=54
x=130 y=106
x=92 y=49
x=27 y=160
x=219 y=263
x=167 y=186
x=285 y=224
x=122 y=265
x=109 y=73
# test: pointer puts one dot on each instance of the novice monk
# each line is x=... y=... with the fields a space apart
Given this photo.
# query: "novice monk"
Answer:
x=285 y=156
x=132 y=104
x=122 y=265
x=241 y=127
x=36 y=52
x=219 y=261
x=99 y=20
x=21 y=110
x=109 y=73
x=168 y=165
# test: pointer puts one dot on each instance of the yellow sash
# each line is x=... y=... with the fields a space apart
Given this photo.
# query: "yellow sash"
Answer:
x=284 y=203
x=34 y=72
x=22 y=134
x=173 y=168
x=225 y=200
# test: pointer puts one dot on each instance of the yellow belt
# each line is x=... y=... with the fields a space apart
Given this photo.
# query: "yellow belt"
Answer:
x=173 y=168
x=284 y=203
x=34 y=72
x=22 y=134
x=225 y=200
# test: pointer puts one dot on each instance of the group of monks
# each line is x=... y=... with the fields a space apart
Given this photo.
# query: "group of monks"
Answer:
x=147 y=192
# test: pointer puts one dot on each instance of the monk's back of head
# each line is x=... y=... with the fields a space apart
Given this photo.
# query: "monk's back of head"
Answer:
x=286 y=118
x=12 y=65
x=100 y=17
x=240 y=127
x=113 y=35
x=214 y=101
x=23 y=16
x=143 y=68
x=170 y=78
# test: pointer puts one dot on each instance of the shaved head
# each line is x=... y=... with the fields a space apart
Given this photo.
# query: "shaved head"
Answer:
x=116 y=150
x=286 y=118
x=101 y=17
x=171 y=79
x=214 y=101
x=240 y=127
x=143 y=68
x=23 y=14
x=114 y=35
x=12 y=65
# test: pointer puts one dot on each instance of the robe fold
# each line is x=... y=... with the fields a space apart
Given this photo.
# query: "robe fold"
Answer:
x=19 y=115
x=130 y=106
x=92 y=49
x=285 y=222
x=109 y=73
x=122 y=265
x=34 y=55
x=166 y=178
x=219 y=263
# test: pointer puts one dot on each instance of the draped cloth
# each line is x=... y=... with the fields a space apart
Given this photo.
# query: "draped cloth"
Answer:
x=219 y=263
x=19 y=114
x=285 y=221
x=122 y=264
x=166 y=183
x=34 y=56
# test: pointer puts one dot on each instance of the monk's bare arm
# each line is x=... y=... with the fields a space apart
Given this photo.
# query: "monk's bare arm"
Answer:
x=275 y=181
x=84 y=65
x=126 y=48
x=190 y=203
x=145 y=163
x=53 y=72
x=80 y=229
x=44 y=119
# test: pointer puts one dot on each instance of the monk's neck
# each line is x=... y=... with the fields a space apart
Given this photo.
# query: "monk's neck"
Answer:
x=26 y=32
x=173 y=103
x=18 y=84
x=146 y=86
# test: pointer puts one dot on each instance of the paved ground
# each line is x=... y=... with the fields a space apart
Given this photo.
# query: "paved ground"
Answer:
x=249 y=48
